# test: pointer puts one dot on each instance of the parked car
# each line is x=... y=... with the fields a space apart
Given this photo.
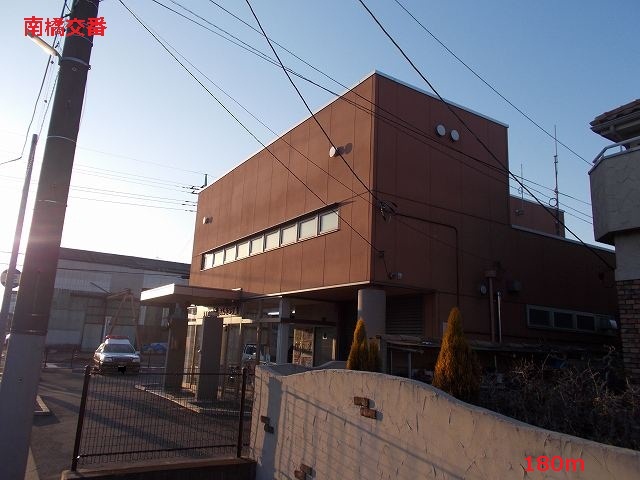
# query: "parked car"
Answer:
x=116 y=354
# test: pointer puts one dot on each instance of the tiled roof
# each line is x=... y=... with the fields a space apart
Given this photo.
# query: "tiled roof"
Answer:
x=621 y=111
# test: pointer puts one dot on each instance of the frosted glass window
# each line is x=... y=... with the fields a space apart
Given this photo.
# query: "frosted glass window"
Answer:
x=207 y=260
x=309 y=228
x=257 y=245
x=218 y=258
x=243 y=250
x=229 y=254
x=272 y=240
x=289 y=234
x=329 y=221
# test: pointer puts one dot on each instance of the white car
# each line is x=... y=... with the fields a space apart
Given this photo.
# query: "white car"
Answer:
x=116 y=354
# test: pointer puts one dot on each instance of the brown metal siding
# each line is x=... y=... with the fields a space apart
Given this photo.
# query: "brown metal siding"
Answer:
x=261 y=193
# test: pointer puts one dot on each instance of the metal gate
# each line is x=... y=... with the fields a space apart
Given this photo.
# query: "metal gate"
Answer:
x=128 y=418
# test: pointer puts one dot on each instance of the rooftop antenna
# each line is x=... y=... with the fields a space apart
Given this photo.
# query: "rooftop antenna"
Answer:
x=555 y=190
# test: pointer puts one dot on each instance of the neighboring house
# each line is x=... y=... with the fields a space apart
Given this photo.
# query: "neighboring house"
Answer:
x=96 y=293
x=615 y=196
x=415 y=218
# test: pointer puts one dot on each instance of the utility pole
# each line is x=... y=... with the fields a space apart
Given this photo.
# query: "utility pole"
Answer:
x=31 y=316
x=8 y=288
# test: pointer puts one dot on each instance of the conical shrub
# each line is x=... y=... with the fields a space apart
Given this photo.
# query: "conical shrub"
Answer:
x=357 y=357
x=363 y=354
x=457 y=371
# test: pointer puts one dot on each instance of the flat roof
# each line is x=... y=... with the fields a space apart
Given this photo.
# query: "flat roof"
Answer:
x=348 y=89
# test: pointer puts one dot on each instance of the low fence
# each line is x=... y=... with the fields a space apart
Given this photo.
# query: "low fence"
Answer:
x=147 y=416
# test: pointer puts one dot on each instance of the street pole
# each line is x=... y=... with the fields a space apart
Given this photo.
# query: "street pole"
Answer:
x=8 y=288
x=31 y=316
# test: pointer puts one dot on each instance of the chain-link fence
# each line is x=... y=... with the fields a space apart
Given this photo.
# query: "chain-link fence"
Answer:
x=129 y=418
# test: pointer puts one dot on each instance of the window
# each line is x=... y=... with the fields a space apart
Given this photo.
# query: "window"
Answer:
x=207 y=260
x=329 y=221
x=308 y=228
x=230 y=254
x=257 y=245
x=586 y=322
x=289 y=234
x=218 y=258
x=243 y=250
x=272 y=240
x=562 y=320
x=545 y=317
x=538 y=317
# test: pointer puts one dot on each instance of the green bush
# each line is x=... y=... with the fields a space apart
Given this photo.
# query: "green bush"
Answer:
x=457 y=371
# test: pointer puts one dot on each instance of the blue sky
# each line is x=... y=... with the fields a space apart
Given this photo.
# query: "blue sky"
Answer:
x=149 y=131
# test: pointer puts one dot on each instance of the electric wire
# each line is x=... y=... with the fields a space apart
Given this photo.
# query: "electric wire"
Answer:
x=37 y=102
x=519 y=110
x=400 y=221
x=304 y=101
x=255 y=117
x=472 y=132
x=132 y=204
x=432 y=237
x=240 y=122
x=396 y=121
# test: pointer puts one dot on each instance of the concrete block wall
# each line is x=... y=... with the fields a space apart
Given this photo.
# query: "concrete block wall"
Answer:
x=307 y=425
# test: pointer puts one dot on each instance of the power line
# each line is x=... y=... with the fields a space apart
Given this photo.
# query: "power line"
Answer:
x=478 y=139
x=519 y=110
x=240 y=123
x=431 y=237
x=284 y=69
x=132 y=204
x=37 y=102
x=353 y=103
x=397 y=121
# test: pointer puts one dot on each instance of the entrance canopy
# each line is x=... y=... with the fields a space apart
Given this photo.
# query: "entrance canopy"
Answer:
x=184 y=294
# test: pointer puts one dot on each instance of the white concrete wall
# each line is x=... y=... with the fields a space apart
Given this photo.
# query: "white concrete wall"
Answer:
x=615 y=196
x=420 y=433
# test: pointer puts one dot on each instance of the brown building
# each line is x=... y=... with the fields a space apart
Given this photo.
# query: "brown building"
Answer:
x=411 y=217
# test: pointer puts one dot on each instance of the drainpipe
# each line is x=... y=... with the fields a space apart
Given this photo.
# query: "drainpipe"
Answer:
x=490 y=275
x=499 y=316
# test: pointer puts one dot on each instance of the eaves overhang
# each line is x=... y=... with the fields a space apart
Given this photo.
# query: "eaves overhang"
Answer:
x=171 y=294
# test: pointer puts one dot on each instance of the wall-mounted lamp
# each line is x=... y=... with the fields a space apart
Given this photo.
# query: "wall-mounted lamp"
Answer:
x=335 y=151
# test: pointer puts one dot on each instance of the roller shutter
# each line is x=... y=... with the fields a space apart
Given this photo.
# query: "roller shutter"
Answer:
x=405 y=315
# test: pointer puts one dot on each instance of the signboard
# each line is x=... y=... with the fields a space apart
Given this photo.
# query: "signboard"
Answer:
x=16 y=278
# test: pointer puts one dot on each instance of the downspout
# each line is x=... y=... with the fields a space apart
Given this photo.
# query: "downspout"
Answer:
x=490 y=275
x=499 y=316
